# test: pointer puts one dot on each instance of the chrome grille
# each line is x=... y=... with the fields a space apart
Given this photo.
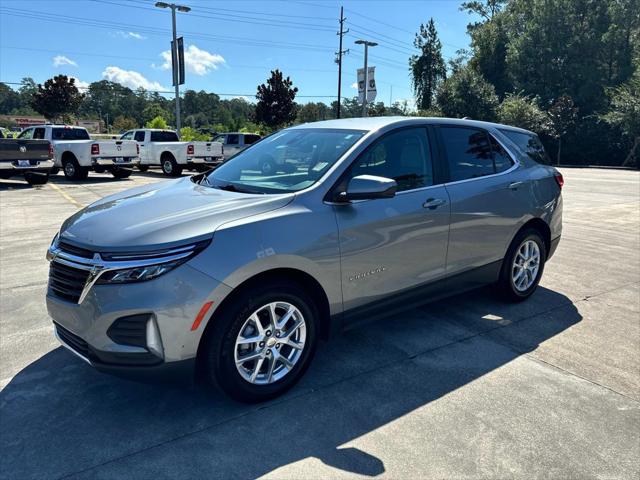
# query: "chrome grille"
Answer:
x=67 y=282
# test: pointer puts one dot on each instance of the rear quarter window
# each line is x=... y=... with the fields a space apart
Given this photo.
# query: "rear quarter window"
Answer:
x=530 y=145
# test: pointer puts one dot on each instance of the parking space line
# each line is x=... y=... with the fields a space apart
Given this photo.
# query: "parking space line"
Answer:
x=68 y=197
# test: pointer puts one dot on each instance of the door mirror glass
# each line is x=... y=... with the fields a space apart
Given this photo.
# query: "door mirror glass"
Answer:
x=368 y=187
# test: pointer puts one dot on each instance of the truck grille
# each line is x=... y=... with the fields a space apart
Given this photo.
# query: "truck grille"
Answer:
x=66 y=282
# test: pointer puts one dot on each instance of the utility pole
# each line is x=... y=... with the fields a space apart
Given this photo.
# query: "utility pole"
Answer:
x=174 y=53
x=340 y=52
x=366 y=44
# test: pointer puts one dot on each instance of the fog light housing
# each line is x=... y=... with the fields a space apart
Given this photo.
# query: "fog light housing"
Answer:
x=154 y=341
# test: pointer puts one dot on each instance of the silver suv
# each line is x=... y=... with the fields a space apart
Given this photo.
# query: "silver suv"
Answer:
x=240 y=273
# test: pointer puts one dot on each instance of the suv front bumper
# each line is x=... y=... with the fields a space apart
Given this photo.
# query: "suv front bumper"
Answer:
x=172 y=301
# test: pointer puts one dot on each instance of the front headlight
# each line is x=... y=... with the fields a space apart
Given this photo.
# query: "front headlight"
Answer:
x=130 y=268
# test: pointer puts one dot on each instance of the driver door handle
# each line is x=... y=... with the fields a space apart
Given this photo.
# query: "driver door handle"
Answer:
x=433 y=203
x=515 y=185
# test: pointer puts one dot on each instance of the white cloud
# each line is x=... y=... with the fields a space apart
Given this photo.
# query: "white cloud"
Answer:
x=134 y=35
x=80 y=84
x=354 y=85
x=197 y=61
x=130 y=78
x=60 y=60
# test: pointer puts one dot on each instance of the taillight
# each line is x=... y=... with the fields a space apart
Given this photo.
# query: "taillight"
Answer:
x=559 y=179
x=95 y=149
x=190 y=150
x=138 y=149
x=51 y=151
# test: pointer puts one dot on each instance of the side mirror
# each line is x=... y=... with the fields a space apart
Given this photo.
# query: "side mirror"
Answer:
x=368 y=187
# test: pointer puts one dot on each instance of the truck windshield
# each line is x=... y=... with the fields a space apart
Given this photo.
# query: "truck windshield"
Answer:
x=164 y=136
x=65 y=133
x=287 y=161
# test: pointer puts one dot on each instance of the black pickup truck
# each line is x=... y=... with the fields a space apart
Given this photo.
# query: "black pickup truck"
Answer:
x=31 y=158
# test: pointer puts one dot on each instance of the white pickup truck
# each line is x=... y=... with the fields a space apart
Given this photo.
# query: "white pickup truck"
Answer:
x=235 y=142
x=163 y=148
x=76 y=153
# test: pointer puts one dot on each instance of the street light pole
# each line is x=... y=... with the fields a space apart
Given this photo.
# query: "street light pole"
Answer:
x=366 y=44
x=174 y=54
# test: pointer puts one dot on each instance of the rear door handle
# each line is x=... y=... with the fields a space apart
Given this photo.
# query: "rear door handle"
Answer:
x=433 y=203
x=515 y=185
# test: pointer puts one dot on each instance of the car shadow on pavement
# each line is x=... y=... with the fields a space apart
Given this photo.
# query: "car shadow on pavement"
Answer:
x=60 y=417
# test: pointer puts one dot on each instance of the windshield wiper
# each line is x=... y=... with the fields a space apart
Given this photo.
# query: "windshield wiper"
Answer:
x=230 y=187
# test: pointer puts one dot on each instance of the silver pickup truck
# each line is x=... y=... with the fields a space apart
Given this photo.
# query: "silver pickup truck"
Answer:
x=31 y=158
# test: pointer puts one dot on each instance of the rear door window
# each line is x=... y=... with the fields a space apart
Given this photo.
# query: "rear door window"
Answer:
x=249 y=139
x=233 y=139
x=468 y=152
x=530 y=144
x=38 y=133
x=164 y=136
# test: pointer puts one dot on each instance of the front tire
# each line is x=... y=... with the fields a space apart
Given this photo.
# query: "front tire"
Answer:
x=523 y=266
x=170 y=167
x=262 y=343
x=73 y=171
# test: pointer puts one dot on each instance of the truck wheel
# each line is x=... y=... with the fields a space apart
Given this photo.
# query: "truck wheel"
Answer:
x=36 y=178
x=143 y=168
x=73 y=171
x=170 y=166
x=121 y=173
x=262 y=344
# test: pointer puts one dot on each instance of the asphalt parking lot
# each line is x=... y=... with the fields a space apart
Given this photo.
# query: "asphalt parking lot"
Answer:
x=468 y=387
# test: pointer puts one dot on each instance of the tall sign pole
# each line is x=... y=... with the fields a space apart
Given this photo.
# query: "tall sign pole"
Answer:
x=341 y=52
x=177 y=55
x=366 y=44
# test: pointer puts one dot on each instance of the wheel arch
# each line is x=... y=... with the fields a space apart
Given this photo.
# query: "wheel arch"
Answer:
x=68 y=155
x=166 y=154
x=542 y=227
x=308 y=283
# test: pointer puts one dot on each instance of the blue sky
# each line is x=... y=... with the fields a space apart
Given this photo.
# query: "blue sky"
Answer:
x=231 y=45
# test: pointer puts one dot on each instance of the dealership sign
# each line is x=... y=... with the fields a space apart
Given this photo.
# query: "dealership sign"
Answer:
x=371 y=87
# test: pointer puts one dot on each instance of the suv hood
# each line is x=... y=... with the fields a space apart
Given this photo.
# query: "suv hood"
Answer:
x=162 y=215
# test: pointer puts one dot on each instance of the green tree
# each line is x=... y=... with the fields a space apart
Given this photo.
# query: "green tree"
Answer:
x=59 y=98
x=153 y=111
x=276 y=106
x=189 y=134
x=562 y=115
x=624 y=113
x=122 y=123
x=157 y=122
x=467 y=94
x=522 y=111
x=428 y=69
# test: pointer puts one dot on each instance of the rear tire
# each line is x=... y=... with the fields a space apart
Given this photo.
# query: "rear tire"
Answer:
x=73 y=171
x=220 y=348
x=121 y=173
x=36 y=178
x=522 y=266
x=170 y=167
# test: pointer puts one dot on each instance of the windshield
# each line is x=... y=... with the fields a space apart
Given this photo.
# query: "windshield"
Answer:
x=66 y=133
x=287 y=161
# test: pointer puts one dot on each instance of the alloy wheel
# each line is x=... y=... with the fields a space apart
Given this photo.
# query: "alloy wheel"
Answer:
x=526 y=265
x=270 y=343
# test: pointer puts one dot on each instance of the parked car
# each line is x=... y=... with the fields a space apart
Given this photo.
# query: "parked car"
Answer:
x=163 y=148
x=235 y=142
x=77 y=154
x=241 y=273
x=6 y=133
x=31 y=158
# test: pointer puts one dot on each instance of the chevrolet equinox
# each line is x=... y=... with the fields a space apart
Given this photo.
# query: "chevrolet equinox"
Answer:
x=236 y=273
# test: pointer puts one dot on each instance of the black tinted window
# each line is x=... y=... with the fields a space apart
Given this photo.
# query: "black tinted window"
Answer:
x=468 y=153
x=38 y=134
x=139 y=136
x=233 y=139
x=64 y=133
x=529 y=144
x=26 y=134
x=249 y=139
x=501 y=158
x=404 y=156
x=164 y=137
